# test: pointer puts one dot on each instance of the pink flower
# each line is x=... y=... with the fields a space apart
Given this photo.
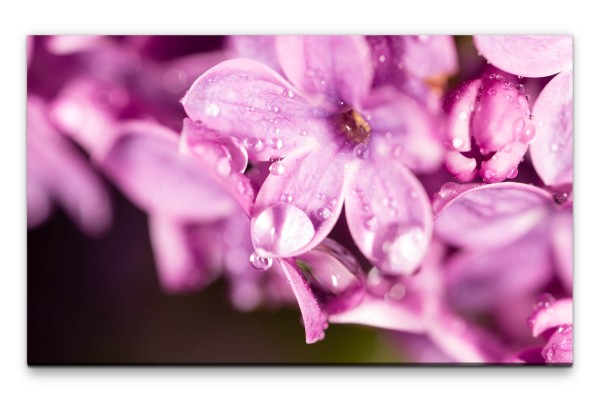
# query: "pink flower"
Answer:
x=331 y=140
x=540 y=56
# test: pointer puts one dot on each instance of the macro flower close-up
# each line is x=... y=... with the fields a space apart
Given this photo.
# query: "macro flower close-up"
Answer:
x=300 y=199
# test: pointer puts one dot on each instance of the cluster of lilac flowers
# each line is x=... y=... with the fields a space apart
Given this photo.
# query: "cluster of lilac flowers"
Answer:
x=417 y=184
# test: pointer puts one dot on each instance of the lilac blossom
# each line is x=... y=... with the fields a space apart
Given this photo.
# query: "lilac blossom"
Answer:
x=330 y=139
x=540 y=56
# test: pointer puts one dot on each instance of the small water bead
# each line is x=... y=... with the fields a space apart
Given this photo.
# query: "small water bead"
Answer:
x=254 y=144
x=260 y=263
x=397 y=152
x=457 y=142
x=463 y=115
x=544 y=301
x=413 y=194
x=241 y=187
x=290 y=93
x=249 y=108
x=212 y=110
x=276 y=168
x=491 y=92
x=323 y=213
x=518 y=127
x=333 y=202
x=276 y=109
x=554 y=147
x=398 y=249
x=362 y=151
x=302 y=133
x=223 y=167
x=320 y=196
x=489 y=174
x=371 y=223
x=382 y=58
x=549 y=354
x=276 y=143
x=566 y=344
x=287 y=198
x=396 y=293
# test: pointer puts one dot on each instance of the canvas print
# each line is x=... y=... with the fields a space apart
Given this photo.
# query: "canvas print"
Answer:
x=299 y=199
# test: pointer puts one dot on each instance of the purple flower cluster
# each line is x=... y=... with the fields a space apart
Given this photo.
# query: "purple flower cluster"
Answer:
x=368 y=179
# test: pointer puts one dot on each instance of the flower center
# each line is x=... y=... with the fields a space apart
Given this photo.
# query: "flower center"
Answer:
x=354 y=126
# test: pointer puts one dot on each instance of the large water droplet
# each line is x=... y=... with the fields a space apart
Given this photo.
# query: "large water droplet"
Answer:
x=281 y=230
x=260 y=263
x=254 y=144
x=287 y=198
x=399 y=249
x=236 y=152
x=323 y=213
x=276 y=143
x=334 y=276
x=276 y=168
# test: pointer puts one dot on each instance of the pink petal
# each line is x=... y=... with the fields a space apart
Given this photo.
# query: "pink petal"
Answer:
x=489 y=216
x=339 y=67
x=428 y=56
x=315 y=320
x=68 y=44
x=559 y=348
x=504 y=164
x=552 y=151
x=186 y=257
x=300 y=201
x=257 y=47
x=246 y=99
x=389 y=215
x=562 y=240
x=528 y=55
x=224 y=159
x=56 y=170
x=462 y=341
x=404 y=130
x=461 y=104
x=377 y=312
x=550 y=315
x=481 y=280
x=461 y=167
x=501 y=115
x=144 y=161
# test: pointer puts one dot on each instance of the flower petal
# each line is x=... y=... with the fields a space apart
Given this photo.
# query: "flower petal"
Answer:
x=489 y=216
x=559 y=348
x=552 y=150
x=186 y=257
x=528 y=55
x=504 y=164
x=315 y=320
x=145 y=162
x=300 y=201
x=426 y=56
x=481 y=280
x=551 y=315
x=404 y=130
x=562 y=241
x=460 y=105
x=339 y=67
x=257 y=47
x=246 y=99
x=389 y=215
x=56 y=170
x=377 y=312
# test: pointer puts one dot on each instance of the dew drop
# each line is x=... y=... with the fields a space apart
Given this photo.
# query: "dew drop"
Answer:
x=260 y=263
x=287 y=198
x=334 y=276
x=236 y=153
x=397 y=152
x=521 y=89
x=362 y=151
x=276 y=168
x=544 y=301
x=302 y=133
x=413 y=194
x=250 y=109
x=491 y=92
x=463 y=115
x=566 y=344
x=399 y=249
x=276 y=109
x=254 y=144
x=276 y=143
x=323 y=213
x=290 y=93
x=554 y=147
x=333 y=202
x=457 y=142
x=223 y=167
x=212 y=110
x=371 y=223
x=281 y=229
x=489 y=174
x=549 y=354
x=518 y=127
x=382 y=58
x=396 y=293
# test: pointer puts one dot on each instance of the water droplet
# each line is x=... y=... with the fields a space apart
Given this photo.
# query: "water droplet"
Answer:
x=287 y=198
x=236 y=153
x=521 y=89
x=544 y=301
x=463 y=115
x=333 y=202
x=212 y=110
x=276 y=109
x=489 y=174
x=513 y=173
x=323 y=213
x=549 y=354
x=223 y=167
x=382 y=58
x=566 y=344
x=518 y=127
x=369 y=117
x=290 y=93
x=399 y=249
x=334 y=276
x=362 y=151
x=371 y=223
x=302 y=133
x=276 y=143
x=276 y=168
x=241 y=187
x=457 y=142
x=554 y=147
x=397 y=152
x=491 y=92
x=413 y=194
x=260 y=263
x=322 y=83
x=281 y=229
x=320 y=196
x=254 y=144
x=396 y=293
x=250 y=109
